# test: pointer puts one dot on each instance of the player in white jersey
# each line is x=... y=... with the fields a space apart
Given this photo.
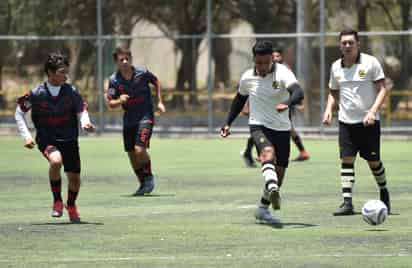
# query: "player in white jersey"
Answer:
x=357 y=81
x=271 y=89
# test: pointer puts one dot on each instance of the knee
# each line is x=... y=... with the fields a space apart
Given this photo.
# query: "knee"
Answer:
x=55 y=161
x=267 y=154
x=139 y=151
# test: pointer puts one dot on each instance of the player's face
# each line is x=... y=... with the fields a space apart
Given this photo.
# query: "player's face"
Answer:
x=59 y=77
x=123 y=62
x=277 y=57
x=349 y=46
x=263 y=64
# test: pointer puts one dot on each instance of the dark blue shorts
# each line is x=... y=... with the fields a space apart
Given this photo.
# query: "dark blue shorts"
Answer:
x=68 y=149
x=138 y=135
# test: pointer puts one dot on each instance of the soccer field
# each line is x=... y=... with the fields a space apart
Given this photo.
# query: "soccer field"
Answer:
x=201 y=211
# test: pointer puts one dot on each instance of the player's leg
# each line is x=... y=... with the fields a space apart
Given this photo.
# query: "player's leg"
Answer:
x=54 y=157
x=71 y=162
x=129 y=141
x=348 y=150
x=303 y=154
x=247 y=153
x=370 y=151
x=142 y=162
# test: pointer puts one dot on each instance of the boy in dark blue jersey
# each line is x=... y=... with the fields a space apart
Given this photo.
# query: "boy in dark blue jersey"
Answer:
x=129 y=88
x=56 y=108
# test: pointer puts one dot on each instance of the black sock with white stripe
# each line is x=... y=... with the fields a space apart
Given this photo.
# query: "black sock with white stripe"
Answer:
x=347 y=175
x=380 y=176
x=270 y=176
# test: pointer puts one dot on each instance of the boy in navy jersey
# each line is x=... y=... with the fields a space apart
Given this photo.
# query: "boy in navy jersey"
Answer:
x=129 y=88
x=56 y=108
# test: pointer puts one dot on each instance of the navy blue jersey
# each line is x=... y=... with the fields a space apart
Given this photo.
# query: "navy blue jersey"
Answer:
x=55 y=118
x=139 y=105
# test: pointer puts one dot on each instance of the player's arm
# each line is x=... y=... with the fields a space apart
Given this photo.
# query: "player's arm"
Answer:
x=160 y=106
x=370 y=117
x=296 y=97
x=21 y=109
x=331 y=105
x=113 y=98
x=84 y=119
x=236 y=107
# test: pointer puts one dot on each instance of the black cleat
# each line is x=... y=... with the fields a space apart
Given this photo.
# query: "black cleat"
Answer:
x=140 y=191
x=248 y=159
x=149 y=185
x=384 y=196
x=344 y=209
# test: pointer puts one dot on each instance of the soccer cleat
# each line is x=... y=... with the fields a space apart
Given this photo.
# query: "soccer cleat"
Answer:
x=384 y=196
x=274 y=197
x=57 y=209
x=73 y=214
x=248 y=159
x=263 y=215
x=346 y=208
x=302 y=156
x=140 y=191
x=149 y=185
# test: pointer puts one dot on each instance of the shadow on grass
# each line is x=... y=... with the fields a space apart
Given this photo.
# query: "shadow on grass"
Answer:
x=149 y=195
x=67 y=223
x=377 y=230
x=280 y=225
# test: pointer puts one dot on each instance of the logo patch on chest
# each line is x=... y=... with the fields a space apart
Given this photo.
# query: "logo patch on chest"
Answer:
x=361 y=73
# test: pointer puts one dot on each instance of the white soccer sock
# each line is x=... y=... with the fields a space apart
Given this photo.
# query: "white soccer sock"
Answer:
x=270 y=176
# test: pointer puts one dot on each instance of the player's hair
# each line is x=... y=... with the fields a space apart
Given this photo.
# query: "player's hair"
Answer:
x=262 y=47
x=121 y=50
x=55 y=60
x=278 y=50
x=349 y=31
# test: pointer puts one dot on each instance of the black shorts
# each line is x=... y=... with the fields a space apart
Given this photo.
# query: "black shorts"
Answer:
x=354 y=138
x=263 y=137
x=138 y=135
x=68 y=149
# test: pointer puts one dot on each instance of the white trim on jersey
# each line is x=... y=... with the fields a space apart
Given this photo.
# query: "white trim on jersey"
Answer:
x=356 y=85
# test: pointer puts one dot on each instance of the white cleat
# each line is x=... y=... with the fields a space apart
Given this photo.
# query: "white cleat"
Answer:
x=263 y=216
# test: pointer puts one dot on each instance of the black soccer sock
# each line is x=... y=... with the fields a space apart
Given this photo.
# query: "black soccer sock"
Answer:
x=380 y=176
x=139 y=175
x=347 y=175
x=71 y=198
x=298 y=142
x=144 y=171
x=56 y=188
x=249 y=146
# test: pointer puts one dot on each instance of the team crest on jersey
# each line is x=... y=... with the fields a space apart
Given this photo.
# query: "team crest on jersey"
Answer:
x=361 y=73
x=275 y=85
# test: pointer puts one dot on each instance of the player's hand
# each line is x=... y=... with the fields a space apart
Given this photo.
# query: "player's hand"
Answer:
x=89 y=127
x=225 y=131
x=281 y=107
x=161 y=107
x=369 y=119
x=327 y=118
x=123 y=98
x=29 y=143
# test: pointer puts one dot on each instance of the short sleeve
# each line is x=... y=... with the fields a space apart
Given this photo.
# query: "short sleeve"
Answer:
x=333 y=83
x=79 y=104
x=377 y=71
x=151 y=77
x=243 y=87
x=25 y=102
x=112 y=92
x=288 y=78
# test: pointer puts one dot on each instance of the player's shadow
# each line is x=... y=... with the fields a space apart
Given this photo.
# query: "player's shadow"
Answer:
x=280 y=225
x=377 y=230
x=67 y=223
x=149 y=195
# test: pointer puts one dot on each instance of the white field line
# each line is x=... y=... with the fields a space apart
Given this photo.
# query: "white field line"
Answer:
x=227 y=256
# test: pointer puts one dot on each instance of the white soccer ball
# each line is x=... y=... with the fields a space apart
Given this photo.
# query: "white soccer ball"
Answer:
x=374 y=212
